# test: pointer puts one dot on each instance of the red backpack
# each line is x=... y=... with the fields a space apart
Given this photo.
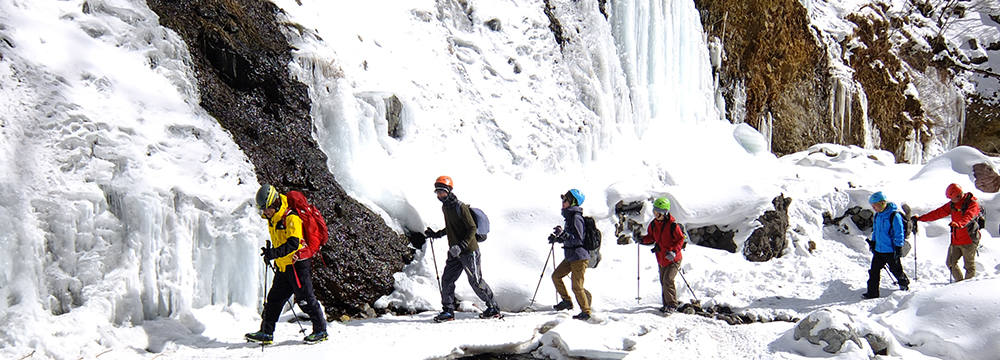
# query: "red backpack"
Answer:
x=313 y=224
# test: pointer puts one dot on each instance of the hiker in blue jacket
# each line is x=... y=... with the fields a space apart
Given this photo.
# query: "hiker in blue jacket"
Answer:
x=886 y=245
x=463 y=253
x=576 y=258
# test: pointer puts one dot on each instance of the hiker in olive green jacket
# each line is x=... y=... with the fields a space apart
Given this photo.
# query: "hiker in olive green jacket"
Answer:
x=463 y=253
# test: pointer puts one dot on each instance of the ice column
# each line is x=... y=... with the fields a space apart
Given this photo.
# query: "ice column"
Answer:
x=665 y=57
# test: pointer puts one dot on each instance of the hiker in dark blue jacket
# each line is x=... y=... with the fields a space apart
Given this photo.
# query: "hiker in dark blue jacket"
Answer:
x=575 y=259
x=886 y=245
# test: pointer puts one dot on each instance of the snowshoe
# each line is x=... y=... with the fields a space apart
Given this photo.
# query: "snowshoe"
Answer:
x=582 y=316
x=491 y=313
x=316 y=337
x=260 y=337
x=444 y=316
x=667 y=310
x=869 y=296
x=563 y=305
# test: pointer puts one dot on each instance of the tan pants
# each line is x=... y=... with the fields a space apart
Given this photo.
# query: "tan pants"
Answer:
x=667 y=275
x=578 y=267
x=962 y=251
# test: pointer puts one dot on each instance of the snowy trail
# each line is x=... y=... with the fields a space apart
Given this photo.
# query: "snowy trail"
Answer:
x=418 y=337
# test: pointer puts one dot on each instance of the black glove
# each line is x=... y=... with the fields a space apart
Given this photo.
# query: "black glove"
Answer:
x=268 y=253
x=897 y=252
x=553 y=238
x=637 y=235
x=871 y=245
x=656 y=248
x=431 y=233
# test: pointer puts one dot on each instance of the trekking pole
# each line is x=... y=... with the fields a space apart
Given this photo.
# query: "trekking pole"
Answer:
x=289 y=301
x=434 y=256
x=558 y=299
x=263 y=297
x=914 y=248
x=542 y=275
x=638 y=271
x=681 y=271
x=893 y=277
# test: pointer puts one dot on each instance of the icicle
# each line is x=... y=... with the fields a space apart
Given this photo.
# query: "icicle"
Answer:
x=869 y=135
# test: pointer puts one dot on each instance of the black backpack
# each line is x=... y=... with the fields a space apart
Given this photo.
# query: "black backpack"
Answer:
x=907 y=225
x=977 y=223
x=591 y=234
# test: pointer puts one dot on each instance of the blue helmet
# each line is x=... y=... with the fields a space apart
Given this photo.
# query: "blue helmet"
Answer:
x=576 y=195
x=876 y=197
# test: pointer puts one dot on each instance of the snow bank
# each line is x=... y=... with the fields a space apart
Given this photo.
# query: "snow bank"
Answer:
x=959 y=321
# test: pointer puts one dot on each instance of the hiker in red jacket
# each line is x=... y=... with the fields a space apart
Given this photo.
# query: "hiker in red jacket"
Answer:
x=964 y=210
x=667 y=238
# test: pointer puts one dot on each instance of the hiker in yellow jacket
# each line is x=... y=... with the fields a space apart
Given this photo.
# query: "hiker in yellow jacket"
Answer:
x=291 y=274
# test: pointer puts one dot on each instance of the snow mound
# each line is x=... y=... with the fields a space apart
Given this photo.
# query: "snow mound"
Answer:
x=604 y=340
x=839 y=331
x=837 y=157
x=958 y=160
x=936 y=322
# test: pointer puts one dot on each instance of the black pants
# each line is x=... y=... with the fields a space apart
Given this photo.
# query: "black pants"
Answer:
x=470 y=264
x=879 y=261
x=295 y=280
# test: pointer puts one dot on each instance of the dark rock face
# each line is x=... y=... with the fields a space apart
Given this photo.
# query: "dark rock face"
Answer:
x=769 y=242
x=713 y=237
x=241 y=56
x=555 y=25
x=987 y=179
x=891 y=111
x=771 y=53
x=982 y=123
x=863 y=218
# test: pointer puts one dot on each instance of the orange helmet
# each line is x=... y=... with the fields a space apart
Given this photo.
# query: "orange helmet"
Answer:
x=443 y=183
x=952 y=191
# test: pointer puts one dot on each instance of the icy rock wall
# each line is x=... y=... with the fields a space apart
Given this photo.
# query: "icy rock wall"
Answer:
x=119 y=194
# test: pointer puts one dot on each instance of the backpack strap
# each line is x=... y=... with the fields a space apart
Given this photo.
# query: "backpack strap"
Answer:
x=903 y=218
x=288 y=211
x=458 y=211
x=967 y=200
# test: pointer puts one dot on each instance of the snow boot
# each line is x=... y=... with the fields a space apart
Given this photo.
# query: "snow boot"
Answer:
x=563 y=305
x=316 y=337
x=490 y=313
x=582 y=316
x=869 y=296
x=444 y=316
x=260 y=337
x=668 y=309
